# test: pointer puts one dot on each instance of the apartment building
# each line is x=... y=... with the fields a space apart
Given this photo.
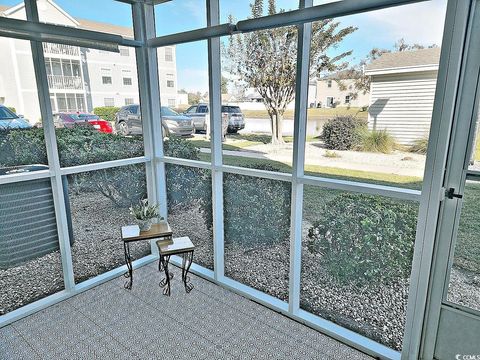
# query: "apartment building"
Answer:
x=79 y=78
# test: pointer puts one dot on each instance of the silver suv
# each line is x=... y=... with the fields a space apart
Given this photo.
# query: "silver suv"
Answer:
x=233 y=114
x=129 y=121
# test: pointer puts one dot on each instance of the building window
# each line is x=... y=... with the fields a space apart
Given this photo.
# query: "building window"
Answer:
x=172 y=103
x=128 y=101
x=168 y=54
x=170 y=83
x=329 y=83
x=124 y=52
x=347 y=99
x=127 y=81
x=107 y=80
x=109 y=101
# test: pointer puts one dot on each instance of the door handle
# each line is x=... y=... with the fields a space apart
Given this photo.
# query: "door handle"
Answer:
x=450 y=193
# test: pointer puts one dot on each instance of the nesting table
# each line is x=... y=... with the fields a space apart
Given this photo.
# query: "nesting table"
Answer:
x=132 y=233
x=179 y=246
x=167 y=246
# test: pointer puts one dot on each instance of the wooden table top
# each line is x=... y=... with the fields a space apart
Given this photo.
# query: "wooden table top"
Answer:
x=133 y=233
x=179 y=245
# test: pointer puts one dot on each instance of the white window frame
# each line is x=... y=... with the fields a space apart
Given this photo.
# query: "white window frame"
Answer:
x=109 y=101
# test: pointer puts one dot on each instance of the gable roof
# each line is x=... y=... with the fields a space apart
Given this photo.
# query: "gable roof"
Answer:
x=93 y=25
x=405 y=61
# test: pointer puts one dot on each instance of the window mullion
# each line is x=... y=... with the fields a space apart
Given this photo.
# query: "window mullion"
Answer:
x=215 y=75
x=52 y=151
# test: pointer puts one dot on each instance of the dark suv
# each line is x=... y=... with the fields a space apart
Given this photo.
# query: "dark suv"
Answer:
x=234 y=115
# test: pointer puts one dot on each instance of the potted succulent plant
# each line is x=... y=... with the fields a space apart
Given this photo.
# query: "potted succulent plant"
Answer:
x=144 y=214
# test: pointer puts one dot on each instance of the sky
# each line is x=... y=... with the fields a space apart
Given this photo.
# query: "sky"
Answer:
x=417 y=23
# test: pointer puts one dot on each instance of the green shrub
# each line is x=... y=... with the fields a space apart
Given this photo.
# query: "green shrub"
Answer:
x=376 y=141
x=342 y=132
x=187 y=186
x=365 y=238
x=256 y=210
x=11 y=108
x=419 y=146
x=106 y=112
x=181 y=148
x=22 y=147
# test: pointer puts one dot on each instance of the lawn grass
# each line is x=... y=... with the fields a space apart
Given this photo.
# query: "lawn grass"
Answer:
x=236 y=142
x=410 y=182
x=313 y=114
x=467 y=249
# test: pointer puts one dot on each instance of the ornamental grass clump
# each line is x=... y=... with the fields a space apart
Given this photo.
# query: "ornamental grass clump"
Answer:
x=379 y=141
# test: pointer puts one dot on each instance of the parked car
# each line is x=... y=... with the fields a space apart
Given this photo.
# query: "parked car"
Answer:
x=128 y=121
x=198 y=114
x=236 y=121
x=233 y=114
x=69 y=120
x=10 y=120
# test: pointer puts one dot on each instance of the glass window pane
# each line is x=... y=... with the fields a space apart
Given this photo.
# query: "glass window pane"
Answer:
x=170 y=16
x=242 y=9
x=357 y=253
x=257 y=232
x=67 y=68
x=475 y=155
x=110 y=16
x=258 y=98
x=370 y=103
x=30 y=264
x=464 y=285
x=189 y=196
x=99 y=204
x=88 y=89
x=22 y=144
x=184 y=82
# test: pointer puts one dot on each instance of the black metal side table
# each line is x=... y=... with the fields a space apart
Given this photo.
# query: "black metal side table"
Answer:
x=132 y=233
x=179 y=246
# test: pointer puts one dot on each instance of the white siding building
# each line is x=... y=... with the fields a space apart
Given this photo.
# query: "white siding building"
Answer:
x=402 y=92
x=330 y=94
x=79 y=79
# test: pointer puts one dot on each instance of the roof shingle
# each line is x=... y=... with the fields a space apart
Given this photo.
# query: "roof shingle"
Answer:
x=423 y=57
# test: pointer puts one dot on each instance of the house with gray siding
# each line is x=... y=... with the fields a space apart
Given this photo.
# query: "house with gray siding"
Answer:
x=402 y=92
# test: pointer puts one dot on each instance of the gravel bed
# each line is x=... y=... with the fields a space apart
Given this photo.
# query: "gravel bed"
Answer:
x=190 y=222
x=98 y=247
x=464 y=288
x=31 y=281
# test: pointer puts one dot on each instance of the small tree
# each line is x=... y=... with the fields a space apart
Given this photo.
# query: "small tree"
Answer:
x=266 y=60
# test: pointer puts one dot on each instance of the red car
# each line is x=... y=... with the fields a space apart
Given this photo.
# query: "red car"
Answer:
x=69 y=120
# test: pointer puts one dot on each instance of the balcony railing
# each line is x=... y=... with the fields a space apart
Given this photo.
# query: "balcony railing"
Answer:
x=60 y=49
x=60 y=82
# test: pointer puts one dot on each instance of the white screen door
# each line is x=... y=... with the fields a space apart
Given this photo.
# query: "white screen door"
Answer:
x=452 y=330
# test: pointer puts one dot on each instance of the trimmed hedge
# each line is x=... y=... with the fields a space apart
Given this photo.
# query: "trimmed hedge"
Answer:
x=342 y=132
x=106 y=112
x=365 y=238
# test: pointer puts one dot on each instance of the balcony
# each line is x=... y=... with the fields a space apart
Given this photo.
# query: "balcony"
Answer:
x=60 y=49
x=208 y=323
x=59 y=82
